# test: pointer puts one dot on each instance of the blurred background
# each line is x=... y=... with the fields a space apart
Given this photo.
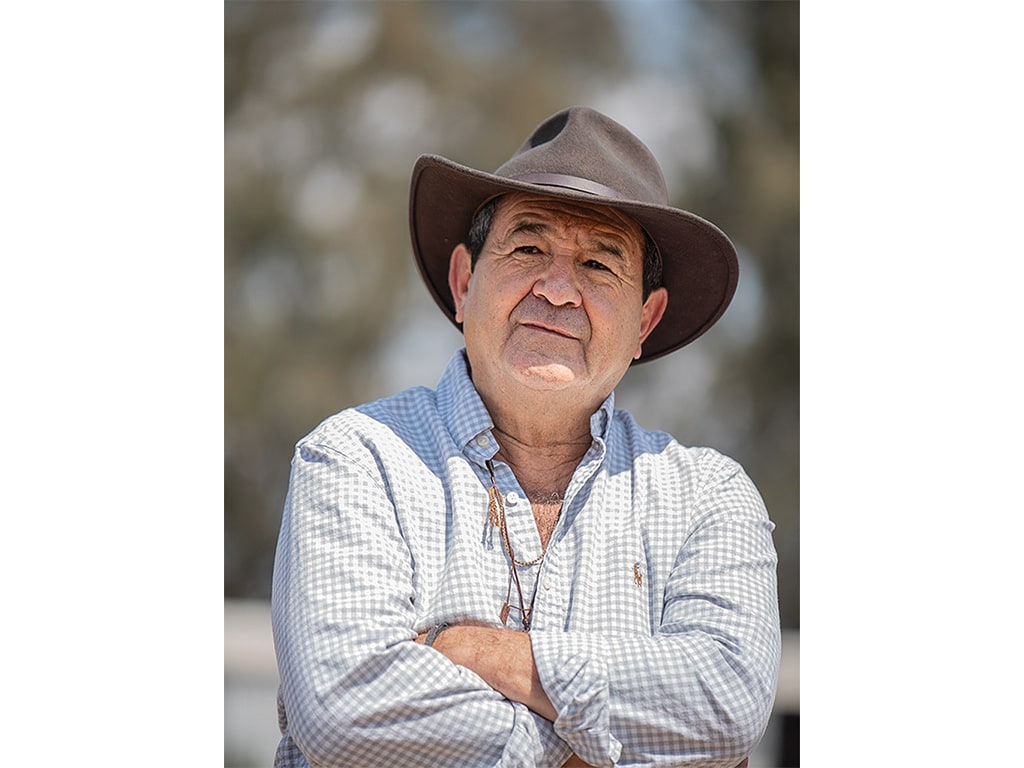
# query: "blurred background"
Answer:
x=327 y=105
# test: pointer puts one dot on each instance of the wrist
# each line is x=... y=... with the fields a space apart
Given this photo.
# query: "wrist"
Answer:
x=433 y=632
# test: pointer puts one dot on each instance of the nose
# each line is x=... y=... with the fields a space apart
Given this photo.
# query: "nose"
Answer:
x=557 y=284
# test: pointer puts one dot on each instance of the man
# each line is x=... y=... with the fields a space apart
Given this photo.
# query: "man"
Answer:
x=508 y=571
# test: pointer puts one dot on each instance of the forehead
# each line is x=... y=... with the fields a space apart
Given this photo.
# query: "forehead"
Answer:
x=540 y=214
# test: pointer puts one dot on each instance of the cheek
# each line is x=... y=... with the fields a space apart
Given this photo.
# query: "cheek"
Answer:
x=615 y=327
x=494 y=299
x=481 y=312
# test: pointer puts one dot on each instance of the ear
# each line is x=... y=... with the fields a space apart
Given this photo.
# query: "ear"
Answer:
x=460 y=269
x=654 y=309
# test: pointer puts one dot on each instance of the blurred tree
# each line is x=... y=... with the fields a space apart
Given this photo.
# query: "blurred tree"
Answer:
x=756 y=200
x=768 y=155
x=327 y=106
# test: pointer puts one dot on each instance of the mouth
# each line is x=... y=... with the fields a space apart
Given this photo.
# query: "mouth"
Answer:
x=550 y=329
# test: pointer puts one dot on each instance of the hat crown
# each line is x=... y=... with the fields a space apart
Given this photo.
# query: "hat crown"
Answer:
x=580 y=148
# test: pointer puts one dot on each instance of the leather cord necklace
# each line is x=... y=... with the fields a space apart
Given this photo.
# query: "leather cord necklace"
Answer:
x=497 y=518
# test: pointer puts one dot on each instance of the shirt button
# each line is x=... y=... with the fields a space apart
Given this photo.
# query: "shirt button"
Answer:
x=483 y=441
x=547 y=585
x=512 y=498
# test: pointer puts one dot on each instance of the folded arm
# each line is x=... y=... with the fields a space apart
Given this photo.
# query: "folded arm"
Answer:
x=355 y=690
x=699 y=690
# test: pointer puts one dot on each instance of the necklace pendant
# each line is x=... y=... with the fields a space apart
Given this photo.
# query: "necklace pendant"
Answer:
x=504 y=613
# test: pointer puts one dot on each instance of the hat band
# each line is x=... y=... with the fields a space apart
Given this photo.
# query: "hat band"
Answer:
x=569 y=182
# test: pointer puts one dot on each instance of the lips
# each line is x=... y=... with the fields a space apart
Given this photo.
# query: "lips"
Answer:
x=538 y=315
x=540 y=326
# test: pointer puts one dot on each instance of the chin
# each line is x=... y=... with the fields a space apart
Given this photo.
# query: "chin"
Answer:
x=550 y=375
x=546 y=368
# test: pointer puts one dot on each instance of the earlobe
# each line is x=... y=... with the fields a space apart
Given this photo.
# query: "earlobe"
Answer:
x=460 y=269
x=653 y=311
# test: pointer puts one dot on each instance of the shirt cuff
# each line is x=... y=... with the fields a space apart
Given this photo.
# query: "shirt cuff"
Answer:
x=532 y=743
x=574 y=676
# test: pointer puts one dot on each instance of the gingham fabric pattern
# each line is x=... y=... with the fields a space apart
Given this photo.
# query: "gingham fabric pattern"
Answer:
x=655 y=627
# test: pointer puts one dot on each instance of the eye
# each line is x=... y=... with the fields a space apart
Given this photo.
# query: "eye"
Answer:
x=595 y=264
x=528 y=249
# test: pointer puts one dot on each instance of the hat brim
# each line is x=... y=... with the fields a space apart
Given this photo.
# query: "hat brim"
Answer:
x=700 y=268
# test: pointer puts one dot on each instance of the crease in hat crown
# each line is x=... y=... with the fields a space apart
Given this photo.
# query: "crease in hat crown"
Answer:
x=591 y=153
x=583 y=155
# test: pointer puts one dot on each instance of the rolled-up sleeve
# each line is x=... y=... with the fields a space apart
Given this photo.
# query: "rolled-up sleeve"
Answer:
x=700 y=688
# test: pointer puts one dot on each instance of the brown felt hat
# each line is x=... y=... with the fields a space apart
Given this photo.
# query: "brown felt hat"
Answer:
x=580 y=154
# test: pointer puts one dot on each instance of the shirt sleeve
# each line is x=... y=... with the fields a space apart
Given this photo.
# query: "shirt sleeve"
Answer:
x=356 y=689
x=700 y=689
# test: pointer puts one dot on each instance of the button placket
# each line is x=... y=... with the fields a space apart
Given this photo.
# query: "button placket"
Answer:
x=546 y=602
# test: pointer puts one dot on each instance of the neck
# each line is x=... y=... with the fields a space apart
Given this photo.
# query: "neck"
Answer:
x=542 y=456
x=540 y=419
x=542 y=434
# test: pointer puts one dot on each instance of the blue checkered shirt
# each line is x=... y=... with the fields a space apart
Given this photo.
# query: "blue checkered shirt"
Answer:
x=655 y=627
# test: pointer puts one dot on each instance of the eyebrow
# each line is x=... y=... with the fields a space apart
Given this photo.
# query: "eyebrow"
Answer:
x=528 y=227
x=532 y=227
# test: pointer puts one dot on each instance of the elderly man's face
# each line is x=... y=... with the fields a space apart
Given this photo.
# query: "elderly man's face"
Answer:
x=556 y=297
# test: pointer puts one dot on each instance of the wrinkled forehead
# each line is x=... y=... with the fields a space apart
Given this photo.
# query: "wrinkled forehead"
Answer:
x=516 y=210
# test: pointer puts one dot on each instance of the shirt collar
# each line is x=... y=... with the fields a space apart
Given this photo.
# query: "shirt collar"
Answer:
x=602 y=418
x=463 y=411
x=470 y=424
